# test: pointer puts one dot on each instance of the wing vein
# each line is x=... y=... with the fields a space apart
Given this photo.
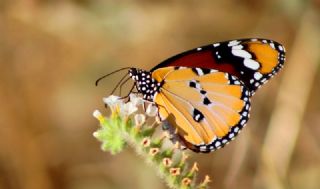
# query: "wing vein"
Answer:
x=207 y=83
x=216 y=114
x=181 y=114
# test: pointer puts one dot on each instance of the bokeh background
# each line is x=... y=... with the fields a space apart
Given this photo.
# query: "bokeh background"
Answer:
x=52 y=51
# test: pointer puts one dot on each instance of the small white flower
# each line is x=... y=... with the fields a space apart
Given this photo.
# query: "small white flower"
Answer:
x=139 y=119
x=97 y=114
x=128 y=109
x=135 y=99
x=112 y=101
x=152 y=110
x=95 y=134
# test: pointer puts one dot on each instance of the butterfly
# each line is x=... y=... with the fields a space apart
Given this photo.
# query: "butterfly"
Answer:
x=205 y=93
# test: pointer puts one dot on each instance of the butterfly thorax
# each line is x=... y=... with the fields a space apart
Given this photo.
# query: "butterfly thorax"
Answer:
x=144 y=82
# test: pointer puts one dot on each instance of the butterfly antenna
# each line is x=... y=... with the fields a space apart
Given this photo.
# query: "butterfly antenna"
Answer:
x=97 y=81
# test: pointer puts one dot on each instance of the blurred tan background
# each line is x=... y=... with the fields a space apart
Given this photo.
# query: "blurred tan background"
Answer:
x=52 y=51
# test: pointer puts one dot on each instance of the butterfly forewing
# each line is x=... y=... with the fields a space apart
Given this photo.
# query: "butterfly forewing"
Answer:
x=207 y=107
x=253 y=61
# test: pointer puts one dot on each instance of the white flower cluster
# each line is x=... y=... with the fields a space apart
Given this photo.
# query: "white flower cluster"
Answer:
x=128 y=108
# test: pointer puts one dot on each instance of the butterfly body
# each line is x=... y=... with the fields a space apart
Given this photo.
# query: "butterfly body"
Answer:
x=145 y=83
x=205 y=93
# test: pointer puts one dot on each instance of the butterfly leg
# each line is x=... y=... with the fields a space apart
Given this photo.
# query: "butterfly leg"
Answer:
x=127 y=96
x=121 y=85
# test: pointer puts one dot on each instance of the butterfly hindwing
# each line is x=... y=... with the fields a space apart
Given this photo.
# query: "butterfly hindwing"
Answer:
x=253 y=61
x=207 y=107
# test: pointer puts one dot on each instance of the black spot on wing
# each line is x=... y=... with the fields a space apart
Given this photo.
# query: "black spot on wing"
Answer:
x=201 y=71
x=192 y=84
x=206 y=101
x=203 y=92
x=206 y=71
x=197 y=115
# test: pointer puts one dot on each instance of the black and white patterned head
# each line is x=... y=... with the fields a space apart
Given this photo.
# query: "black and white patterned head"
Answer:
x=144 y=82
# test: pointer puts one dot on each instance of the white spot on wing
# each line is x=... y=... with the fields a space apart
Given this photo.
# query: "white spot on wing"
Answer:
x=198 y=86
x=217 y=144
x=280 y=48
x=237 y=82
x=237 y=47
x=199 y=71
x=257 y=75
x=216 y=44
x=272 y=45
x=241 y=53
x=197 y=117
x=232 y=43
x=249 y=63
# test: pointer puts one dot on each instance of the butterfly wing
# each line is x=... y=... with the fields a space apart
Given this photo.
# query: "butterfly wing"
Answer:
x=253 y=61
x=207 y=108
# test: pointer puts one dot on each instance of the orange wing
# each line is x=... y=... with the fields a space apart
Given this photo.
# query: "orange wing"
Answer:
x=207 y=108
x=253 y=61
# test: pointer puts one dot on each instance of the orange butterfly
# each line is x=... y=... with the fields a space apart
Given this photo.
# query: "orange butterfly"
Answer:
x=205 y=93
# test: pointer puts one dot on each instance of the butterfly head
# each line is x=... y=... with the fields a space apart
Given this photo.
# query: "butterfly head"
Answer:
x=144 y=82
